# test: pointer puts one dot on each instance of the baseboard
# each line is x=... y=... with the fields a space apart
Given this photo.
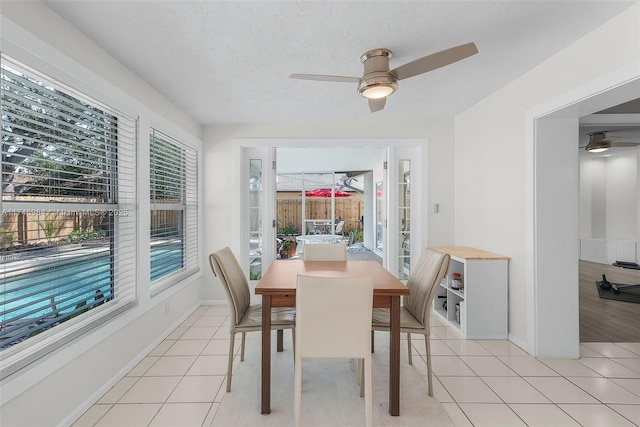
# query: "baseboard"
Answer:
x=522 y=344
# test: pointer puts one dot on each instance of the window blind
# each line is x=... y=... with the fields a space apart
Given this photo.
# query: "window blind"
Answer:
x=67 y=237
x=174 y=207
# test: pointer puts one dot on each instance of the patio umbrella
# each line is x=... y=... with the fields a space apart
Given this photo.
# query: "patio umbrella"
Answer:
x=325 y=192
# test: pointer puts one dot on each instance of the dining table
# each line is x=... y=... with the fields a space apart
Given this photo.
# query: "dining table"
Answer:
x=278 y=289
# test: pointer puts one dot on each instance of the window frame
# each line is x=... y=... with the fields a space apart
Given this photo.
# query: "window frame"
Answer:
x=122 y=241
x=188 y=191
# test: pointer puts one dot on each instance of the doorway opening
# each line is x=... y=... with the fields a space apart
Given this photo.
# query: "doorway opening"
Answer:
x=327 y=195
x=383 y=220
x=323 y=207
x=554 y=243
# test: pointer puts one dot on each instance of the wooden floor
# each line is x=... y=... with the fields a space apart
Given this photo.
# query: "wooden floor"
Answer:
x=606 y=320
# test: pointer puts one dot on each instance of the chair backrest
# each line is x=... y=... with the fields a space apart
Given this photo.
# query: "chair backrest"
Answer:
x=423 y=284
x=339 y=227
x=324 y=252
x=225 y=266
x=311 y=227
x=333 y=316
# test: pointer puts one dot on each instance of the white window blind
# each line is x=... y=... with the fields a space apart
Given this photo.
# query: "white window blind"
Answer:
x=174 y=208
x=67 y=237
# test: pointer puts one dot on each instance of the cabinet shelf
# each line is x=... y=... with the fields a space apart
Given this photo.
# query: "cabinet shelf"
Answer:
x=482 y=304
x=453 y=291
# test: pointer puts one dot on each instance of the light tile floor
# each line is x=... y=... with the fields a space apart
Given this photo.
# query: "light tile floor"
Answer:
x=479 y=382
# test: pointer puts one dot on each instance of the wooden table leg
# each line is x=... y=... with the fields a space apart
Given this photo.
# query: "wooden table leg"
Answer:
x=266 y=355
x=279 y=345
x=394 y=358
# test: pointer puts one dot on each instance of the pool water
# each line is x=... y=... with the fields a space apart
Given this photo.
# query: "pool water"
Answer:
x=59 y=289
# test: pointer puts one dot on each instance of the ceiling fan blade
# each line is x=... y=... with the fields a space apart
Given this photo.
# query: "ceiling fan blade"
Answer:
x=625 y=144
x=434 y=61
x=325 y=78
x=377 y=104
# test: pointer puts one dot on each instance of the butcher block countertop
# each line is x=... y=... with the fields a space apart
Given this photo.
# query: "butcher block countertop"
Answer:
x=466 y=252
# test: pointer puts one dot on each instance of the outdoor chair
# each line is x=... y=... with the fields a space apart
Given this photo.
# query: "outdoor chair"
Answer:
x=311 y=228
x=245 y=317
x=416 y=307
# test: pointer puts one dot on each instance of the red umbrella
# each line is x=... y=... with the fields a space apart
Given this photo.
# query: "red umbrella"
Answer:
x=326 y=192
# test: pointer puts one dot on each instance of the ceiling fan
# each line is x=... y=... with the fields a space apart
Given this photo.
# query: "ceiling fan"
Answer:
x=599 y=142
x=378 y=82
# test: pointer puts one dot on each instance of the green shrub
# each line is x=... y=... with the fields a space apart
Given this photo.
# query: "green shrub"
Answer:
x=289 y=230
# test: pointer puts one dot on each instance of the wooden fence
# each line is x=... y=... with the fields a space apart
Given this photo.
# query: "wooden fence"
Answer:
x=289 y=211
x=49 y=227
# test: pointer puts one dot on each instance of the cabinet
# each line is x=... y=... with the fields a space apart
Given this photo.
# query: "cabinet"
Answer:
x=480 y=310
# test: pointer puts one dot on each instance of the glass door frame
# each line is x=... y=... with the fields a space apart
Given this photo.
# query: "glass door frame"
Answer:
x=412 y=148
x=393 y=201
x=267 y=209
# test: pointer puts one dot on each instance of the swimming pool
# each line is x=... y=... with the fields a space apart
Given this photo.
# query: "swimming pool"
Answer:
x=49 y=294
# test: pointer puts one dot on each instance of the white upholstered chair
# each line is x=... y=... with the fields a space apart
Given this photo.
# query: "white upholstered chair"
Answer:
x=245 y=317
x=345 y=333
x=324 y=252
x=423 y=285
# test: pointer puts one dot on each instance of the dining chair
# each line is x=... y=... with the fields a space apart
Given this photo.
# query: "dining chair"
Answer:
x=324 y=252
x=245 y=317
x=423 y=285
x=342 y=332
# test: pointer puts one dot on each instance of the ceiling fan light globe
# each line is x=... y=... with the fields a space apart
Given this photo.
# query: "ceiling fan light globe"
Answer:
x=597 y=148
x=377 y=87
x=377 y=91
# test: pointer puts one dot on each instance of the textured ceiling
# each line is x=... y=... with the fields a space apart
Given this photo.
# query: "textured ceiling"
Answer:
x=229 y=62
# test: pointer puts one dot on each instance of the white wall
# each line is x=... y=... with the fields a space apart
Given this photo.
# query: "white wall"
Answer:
x=593 y=206
x=221 y=157
x=609 y=193
x=59 y=387
x=609 y=216
x=296 y=160
x=622 y=193
x=493 y=173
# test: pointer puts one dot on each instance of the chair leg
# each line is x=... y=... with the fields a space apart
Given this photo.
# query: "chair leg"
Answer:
x=409 y=349
x=361 y=376
x=372 y=336
x=429 y=374
x=279 y=336
x=368 y=392
x=244 y=334
x=293 y=341
x=297 y=393
x=230 y=363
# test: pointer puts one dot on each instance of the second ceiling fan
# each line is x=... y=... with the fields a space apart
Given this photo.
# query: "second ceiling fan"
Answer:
x=378 y=81
x=599 y=141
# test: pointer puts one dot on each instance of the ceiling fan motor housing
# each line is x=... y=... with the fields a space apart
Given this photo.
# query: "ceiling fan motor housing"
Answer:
x=376 y=81
x=598 y=142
